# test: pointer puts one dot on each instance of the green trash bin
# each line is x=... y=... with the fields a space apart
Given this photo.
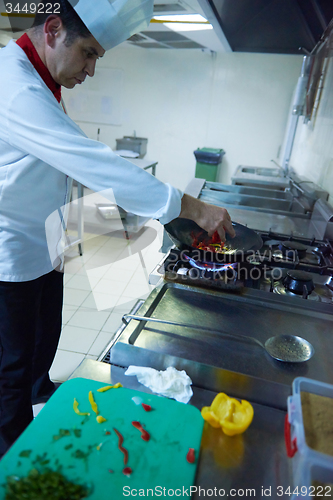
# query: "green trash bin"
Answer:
x=208 y=162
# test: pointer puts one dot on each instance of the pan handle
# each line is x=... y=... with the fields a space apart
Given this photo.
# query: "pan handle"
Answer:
x=127 y=317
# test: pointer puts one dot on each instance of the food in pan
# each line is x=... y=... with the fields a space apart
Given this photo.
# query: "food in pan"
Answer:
x=213 y=244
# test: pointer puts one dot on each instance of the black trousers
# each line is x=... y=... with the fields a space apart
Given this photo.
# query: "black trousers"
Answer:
x=30 y=327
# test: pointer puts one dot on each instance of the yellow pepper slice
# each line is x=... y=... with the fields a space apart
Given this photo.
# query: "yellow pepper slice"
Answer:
x=107 y=387
x=93 y=403
x=100 y=419
x=233 y=416
x=76 y=408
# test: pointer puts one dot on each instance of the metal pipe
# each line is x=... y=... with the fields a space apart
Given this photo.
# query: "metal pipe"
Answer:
x=189 y=325
x=297 y=110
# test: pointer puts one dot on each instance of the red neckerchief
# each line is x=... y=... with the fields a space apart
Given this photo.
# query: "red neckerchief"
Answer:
x=25 y=43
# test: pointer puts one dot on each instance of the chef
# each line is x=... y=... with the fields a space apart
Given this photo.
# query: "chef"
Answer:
x=41 y=150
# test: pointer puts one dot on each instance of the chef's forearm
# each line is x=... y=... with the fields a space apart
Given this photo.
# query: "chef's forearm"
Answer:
x=209 y=217
x=191 y=208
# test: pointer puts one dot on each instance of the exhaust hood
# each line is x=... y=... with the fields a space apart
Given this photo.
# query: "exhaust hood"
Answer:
x=264 y=26
x=269 y=26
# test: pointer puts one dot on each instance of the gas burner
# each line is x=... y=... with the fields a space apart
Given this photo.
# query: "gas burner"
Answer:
x=254 y=259
x=280 y=289
x=311 y=258
x=293 y=249
x=324 y=250
x=209 y=266
x=278 y=255
x=298 y=282
x=272 y=243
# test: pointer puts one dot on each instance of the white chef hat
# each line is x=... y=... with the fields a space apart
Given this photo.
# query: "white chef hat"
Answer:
x=112 y=22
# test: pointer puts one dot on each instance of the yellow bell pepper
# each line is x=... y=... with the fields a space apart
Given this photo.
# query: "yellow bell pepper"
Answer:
x=108 y=387
x=76 y=408
x=100 y=419
x=93 y=403
x=232 y=416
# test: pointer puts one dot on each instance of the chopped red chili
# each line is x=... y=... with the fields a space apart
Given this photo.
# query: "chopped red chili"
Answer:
x=107 y=433
x=146 y=407
x=212 y=244
x=144 y=434
x=216 y=238
x=127 y=471
x=121 y=448
x=190 y=457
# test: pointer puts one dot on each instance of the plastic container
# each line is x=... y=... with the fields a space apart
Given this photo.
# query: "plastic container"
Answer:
x=131 y=143
x=308 y=464
x=208 y=162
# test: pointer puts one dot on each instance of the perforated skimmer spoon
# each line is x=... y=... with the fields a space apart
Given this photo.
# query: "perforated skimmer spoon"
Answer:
x=287 y=348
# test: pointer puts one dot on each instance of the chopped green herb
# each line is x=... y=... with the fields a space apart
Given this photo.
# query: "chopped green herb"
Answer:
x=25 y=453
x=68 y=446
x=80 y=454
x=86 y=418
x=44 y=462
x=39 y=486
x=77 y=433
x=62 y=433
x=40 y=459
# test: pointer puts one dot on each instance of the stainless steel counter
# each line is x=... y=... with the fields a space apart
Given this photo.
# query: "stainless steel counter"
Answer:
x=240 y=465
x=224 y=363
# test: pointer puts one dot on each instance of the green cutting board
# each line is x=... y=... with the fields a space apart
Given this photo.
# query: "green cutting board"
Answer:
x=61 y=436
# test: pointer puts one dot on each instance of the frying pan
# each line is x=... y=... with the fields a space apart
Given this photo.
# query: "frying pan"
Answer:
x=183 y=231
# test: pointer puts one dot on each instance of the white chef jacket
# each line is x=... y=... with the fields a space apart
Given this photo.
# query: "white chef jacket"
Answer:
x=40 y=148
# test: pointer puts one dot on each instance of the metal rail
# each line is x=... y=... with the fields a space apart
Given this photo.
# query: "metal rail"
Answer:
x=189 y=325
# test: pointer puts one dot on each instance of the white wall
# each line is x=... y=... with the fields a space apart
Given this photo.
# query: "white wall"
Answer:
x=312 y=154
x=184 y=99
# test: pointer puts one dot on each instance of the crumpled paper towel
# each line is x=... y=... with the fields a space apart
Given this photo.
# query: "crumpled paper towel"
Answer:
x=171 y=383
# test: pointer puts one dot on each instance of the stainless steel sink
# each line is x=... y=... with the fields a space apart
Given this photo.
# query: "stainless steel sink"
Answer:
x=268 y=172
x=248 y=190
x=267 y=200
x=270 y=178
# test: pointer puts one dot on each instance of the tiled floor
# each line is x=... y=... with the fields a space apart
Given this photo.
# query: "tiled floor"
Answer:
x=100 y=287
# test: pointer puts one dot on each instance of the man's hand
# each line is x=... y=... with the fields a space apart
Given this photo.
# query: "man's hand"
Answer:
x=209 y=217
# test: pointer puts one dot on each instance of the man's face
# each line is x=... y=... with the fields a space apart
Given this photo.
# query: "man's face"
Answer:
x=69 y=66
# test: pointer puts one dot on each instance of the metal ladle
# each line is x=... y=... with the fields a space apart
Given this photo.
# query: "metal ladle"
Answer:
x=287 y=348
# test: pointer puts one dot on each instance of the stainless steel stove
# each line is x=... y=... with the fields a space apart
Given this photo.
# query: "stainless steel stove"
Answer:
x=288 y=266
